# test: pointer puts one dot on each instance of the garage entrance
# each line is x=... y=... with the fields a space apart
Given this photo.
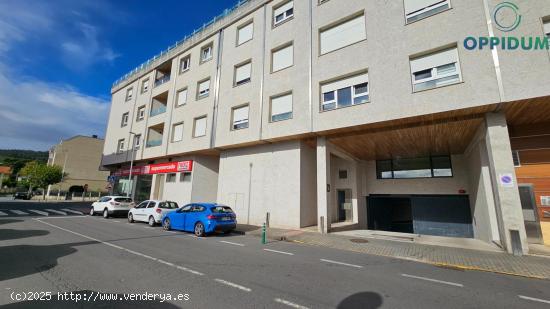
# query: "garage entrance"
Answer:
x=438 y=215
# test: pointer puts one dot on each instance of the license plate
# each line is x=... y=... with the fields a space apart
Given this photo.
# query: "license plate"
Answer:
x=226 y=219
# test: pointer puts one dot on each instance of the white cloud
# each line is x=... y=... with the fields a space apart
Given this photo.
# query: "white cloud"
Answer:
x=36 y=115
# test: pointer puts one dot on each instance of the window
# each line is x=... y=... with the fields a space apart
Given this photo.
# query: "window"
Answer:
x=203 y=89
x=345 y=92
x=181 y=97
x=343 y=34
x=515 y=158
x=199 y=127
x=185 y=177
x=282 y=58
x=206 y=53
x=137 y=141
x=185 y=63
x=283 y=12
x=140 y=113
x=124 y=121
x=343 y=174
x=423 y=167
x=171 y=177
x=547 y=28
x=436 y=70
x=120 y=146
x=245 y=33
x=177 y=132
x=240 y=117
x=145 y=86
x=242 y=73
x=545 y=201
x=419 y=9
x=281 y=107
x=129 y=94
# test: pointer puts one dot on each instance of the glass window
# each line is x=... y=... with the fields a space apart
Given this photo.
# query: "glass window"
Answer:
x=221 y=209
x=203 y=89
x=343 y=174
x=419 y=9
x=345 y=92
x=435 y=70
x=421 y=167
x=140 y=113
x=145 y=86
x=185 y=177
x=243 y=73
x=344 y=97
x=206 y=53
x=283 y=12
x=186 y=208
x=171 y=177
x=442 y=166
x=123 y=200
x=412 y=168
x=384 y=169
x=168 y=205
x=240 y=117
x=185 y=63
x=281 y=107
x=245 y=33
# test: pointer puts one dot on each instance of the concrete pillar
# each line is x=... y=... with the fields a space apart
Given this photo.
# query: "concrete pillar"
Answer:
x=504 y=183
x=323 y=185
x=361 y=211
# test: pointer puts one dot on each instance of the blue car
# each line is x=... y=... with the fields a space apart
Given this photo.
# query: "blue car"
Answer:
x=201 y=219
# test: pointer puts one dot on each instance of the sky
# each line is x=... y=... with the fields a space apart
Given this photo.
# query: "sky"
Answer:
x=59 y=58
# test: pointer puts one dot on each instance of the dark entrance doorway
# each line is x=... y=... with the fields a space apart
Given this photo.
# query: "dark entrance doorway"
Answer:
x=438 y=215
x=530 y=215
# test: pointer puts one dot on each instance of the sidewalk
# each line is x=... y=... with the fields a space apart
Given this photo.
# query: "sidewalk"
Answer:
x=498 y=262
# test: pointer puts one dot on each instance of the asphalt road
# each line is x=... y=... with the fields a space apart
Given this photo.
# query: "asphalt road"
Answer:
x=90 y=255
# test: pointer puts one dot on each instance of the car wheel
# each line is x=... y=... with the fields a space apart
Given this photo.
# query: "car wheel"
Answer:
x=199 y=229
x=130 y=218
x=105 y=213
x=92 y=212
x=151 y=221
x=228 y=232
x=166 y=224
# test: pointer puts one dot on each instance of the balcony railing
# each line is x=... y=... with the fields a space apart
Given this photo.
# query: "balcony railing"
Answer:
x=162 y=80
x=157 y=111
x=153 y=143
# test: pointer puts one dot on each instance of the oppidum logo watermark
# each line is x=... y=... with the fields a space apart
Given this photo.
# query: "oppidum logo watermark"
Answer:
x=507 y=17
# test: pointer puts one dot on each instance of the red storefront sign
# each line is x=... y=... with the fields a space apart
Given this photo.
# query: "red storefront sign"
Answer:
x=160 y=168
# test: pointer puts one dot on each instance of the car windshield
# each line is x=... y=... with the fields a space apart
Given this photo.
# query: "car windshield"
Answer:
x=123 y=200
x=221 y=209
x=168 y=205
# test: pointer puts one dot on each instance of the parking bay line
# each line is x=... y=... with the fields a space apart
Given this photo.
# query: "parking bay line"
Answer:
x=19 y=212
x=124 y=249
x=56 y=211
x=433 y=280
x=290 y=304
x=277 y=251
x=342 y=263
x=73 y=211
x=232 y=243
x=3 y=213
x=534 y=299
x=231 y=284
x=39 y=212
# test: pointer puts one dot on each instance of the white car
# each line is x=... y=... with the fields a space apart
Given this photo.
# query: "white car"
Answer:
x=111 y=206
x=151 y=211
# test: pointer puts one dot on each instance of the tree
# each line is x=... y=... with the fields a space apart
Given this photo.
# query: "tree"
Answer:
x=40 y=175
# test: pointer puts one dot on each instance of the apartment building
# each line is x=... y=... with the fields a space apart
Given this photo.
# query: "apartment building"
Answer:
x=342 y=114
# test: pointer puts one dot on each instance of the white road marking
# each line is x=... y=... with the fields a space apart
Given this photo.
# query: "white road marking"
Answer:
x=231 y=284
x=277 y=251
x=232 y=243
x=116 y=221
x=43 y=213
x=73 y=211
x=290 y=304
x=3 y=213
x=123 y=249
x=172 y=232
x=342 y=263
x=56 y=212
x=433 y=280
x=534 y=299
x=19 y=212
x=194 y=236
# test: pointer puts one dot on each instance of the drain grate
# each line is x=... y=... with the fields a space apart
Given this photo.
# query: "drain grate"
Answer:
x=359 y=240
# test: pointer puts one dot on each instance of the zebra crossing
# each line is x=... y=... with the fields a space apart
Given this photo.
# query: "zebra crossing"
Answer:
x=39 y=212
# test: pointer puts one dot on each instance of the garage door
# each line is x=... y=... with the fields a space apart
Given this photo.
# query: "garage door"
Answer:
x=439 y=215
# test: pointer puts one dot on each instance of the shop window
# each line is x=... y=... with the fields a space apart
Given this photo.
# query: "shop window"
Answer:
x=171 y=177
x=422 y=167
x=185 y=177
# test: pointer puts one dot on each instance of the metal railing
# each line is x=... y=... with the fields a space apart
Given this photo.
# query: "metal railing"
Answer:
x=167 y=53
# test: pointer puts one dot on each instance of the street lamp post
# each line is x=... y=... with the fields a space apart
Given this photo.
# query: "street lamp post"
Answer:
x=128 y=193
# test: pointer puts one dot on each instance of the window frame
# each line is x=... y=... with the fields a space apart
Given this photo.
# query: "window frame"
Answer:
x=354 y=93
x=129 y=94
x=203 y=96
x=195 y=126
x=360 y=14
x=171 y=177
x=278 y=49
x=137 y=141
x=186 y=89
x=274 y=22
x=233 y=109
x=172 y=137
x=242 y=26
x=183 y=176
x=434 y=74
x=120 y=146
x=433 y=7
x=280 y=95
x=140 y=117
x=430 y=159
x=183 y=60
x=205 y=47
x=143 y=83
x=237 y=83
x=125 y=119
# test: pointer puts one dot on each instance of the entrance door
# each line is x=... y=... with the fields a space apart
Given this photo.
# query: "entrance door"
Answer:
x=530 y=215
x=159 y=187
x=345 y=205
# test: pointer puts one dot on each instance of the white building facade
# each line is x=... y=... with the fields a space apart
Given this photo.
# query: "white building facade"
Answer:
x=359 y=113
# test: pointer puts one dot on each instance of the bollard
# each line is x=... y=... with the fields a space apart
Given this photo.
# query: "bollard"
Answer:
x=263 y=235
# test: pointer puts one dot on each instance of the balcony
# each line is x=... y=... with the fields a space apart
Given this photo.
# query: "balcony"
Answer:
x=153 y=143
x=159 y=104
x=154 y=136
x=163 y=73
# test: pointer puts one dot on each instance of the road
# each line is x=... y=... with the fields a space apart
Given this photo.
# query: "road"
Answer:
x=90 y=255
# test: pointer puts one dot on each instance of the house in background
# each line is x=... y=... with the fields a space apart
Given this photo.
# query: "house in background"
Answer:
x=79 y=157
x=5 y=172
